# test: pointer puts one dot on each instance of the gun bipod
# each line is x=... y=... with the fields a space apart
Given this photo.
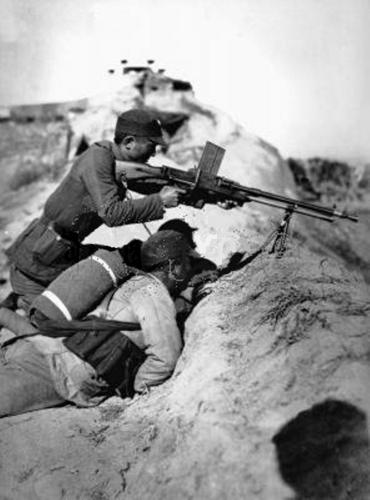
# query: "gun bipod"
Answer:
x=279 y=245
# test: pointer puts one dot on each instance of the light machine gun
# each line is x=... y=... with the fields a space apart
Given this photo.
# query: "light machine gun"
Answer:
x=202 y=185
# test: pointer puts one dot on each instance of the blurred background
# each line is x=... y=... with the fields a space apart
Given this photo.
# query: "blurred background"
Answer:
x=295 y=72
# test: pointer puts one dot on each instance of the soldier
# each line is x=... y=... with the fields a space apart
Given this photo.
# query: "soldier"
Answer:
x=77 y=290
x=41 y=371
x=204 y=272
x=89 y=196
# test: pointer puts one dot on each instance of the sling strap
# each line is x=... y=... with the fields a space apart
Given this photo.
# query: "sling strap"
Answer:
x=65 y=328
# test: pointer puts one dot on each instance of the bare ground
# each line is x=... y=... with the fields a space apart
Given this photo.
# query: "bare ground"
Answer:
x=269 y=342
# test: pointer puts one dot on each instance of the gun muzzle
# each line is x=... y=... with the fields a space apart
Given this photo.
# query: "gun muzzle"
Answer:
x=346 y=215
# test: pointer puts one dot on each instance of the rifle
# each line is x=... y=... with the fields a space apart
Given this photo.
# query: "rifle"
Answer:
x=203 y=185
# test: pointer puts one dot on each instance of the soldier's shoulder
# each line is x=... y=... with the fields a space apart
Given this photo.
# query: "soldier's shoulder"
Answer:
x=146 y=284
x=102 y=148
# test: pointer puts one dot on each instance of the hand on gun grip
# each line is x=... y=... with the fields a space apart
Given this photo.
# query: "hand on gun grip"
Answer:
x=170 y=196
x=201 y=291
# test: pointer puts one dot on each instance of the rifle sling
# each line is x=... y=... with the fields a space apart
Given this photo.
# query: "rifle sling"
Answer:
x=65 y=328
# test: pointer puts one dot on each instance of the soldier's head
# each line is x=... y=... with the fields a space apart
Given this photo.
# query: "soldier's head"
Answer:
x=182 y=227
x=166 y=254
x=137 y=134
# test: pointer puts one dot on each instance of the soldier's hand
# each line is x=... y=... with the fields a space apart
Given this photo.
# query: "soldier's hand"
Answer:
x=170 y=196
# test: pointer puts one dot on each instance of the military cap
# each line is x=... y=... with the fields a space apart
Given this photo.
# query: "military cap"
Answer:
x=180 y=226
x=162 y=247
x=141 y=123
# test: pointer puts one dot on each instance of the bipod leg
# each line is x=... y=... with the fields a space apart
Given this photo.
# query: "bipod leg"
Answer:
x=279 y=245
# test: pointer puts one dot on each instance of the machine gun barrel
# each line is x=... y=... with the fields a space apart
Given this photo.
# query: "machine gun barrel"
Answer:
x=283 y=202
x=203 y=187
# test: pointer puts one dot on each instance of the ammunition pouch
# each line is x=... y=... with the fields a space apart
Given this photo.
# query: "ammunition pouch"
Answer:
x=43 y=250
x=51 y=246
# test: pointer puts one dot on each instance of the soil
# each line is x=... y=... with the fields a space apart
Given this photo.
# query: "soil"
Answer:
x=269 y=399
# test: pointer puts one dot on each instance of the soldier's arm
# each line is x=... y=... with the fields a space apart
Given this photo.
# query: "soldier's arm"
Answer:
x=156 y=313
x=99 y=179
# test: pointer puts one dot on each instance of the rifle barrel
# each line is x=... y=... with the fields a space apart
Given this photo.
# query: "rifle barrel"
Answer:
x=296 y=210
x=151 y=179
x=329 y=212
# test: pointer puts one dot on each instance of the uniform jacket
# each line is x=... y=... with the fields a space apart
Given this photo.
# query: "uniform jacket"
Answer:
x=142 y=299
x=87 y=197
x=146 y=300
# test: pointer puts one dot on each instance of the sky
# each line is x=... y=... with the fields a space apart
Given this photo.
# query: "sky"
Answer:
x=294 y=72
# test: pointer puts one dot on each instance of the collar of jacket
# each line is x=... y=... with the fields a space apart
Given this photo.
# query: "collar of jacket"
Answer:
x=111 y=146
x=117 y=152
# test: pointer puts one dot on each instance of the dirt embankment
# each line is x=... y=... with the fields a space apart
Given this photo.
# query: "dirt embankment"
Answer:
x=273 y=340
x=269 y=400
